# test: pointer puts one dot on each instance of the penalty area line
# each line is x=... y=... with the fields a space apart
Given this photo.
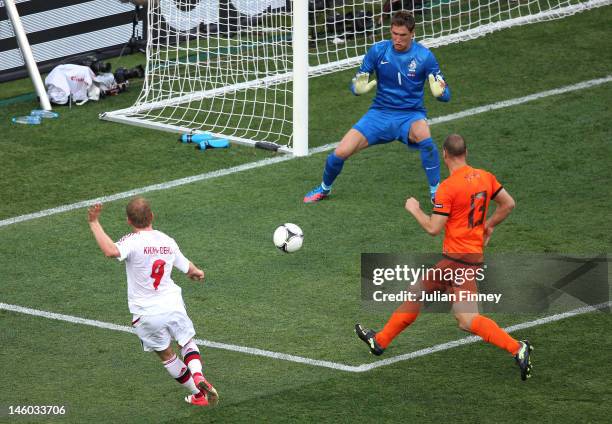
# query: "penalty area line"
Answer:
x=270 y=161
x=216 y=345
x=474 y=339
x=498 y=105
x=309 y=361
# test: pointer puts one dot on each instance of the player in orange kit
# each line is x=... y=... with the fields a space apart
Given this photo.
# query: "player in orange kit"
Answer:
x=460 y=207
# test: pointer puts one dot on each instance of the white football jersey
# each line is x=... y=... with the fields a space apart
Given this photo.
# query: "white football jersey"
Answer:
x=149 y=257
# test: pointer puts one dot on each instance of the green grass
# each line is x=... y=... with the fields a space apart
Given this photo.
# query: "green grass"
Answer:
x=470 y=384
x=552 y=155
x=77 y=149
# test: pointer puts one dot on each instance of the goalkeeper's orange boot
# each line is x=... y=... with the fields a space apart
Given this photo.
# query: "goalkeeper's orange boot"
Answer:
x=205 y=387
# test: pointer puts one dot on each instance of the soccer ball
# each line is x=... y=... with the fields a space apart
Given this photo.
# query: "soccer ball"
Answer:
x=288 y=238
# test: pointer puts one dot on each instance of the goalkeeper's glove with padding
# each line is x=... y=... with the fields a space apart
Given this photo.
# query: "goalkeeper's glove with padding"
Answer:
x=436 y=84
x=438 y=87
x=360 y=84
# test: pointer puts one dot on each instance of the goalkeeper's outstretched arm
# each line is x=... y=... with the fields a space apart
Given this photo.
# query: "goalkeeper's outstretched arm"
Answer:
x=439 y=88
x=360 y=84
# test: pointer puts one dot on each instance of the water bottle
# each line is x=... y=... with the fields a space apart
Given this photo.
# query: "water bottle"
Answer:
x=218 y=143
x=27 y=120
x=49 y=114
x=212 y=143
x=195 y=138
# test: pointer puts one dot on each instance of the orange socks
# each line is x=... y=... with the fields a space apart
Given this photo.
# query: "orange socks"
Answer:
x=491 y=333
x=396 y=324
x=481 y=326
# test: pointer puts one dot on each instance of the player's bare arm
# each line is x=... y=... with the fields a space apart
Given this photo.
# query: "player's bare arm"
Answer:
x=195 y=273
x=504 y=205
x=104 y=241
x=432 y=224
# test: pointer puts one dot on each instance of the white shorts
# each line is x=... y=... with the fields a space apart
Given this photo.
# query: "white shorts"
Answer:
x=156 y=332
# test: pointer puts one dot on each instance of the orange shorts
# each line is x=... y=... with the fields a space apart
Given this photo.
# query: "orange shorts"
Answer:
x=451 y=276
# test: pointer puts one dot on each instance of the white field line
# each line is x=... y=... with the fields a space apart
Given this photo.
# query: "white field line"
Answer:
x=474 y=339
x=494 y=106
x=216 y=345
x=142 y=190
x=270 y=161
x=308 y=361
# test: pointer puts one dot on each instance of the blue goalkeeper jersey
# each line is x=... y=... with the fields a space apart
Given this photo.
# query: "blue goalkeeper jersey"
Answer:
x=401 y=75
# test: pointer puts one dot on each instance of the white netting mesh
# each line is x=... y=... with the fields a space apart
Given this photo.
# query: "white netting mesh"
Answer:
x=225 y=66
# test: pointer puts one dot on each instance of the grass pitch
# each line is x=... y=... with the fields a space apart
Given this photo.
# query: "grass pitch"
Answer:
x=551 y=154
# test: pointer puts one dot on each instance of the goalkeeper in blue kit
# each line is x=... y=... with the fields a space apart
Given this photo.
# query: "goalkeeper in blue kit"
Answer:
x=402 y=67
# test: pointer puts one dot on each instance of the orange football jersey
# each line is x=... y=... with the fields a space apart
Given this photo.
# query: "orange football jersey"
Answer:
x=464 y=197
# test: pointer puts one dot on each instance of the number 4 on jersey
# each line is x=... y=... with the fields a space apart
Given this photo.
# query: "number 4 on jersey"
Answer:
x=157 y=272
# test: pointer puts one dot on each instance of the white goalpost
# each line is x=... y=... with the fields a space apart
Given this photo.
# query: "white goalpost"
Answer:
x=239 y=69
x=26 y=52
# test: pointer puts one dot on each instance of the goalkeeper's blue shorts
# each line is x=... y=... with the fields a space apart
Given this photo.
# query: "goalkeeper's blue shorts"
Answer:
x=383 y=126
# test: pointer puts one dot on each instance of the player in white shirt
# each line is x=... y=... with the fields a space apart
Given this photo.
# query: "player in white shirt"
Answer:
x=154 y=300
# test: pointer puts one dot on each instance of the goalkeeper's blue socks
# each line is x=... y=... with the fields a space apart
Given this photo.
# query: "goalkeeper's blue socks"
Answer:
x=333 y=166
x=430 y=159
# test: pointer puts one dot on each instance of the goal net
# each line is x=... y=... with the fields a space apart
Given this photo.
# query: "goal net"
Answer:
x=239 y=68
